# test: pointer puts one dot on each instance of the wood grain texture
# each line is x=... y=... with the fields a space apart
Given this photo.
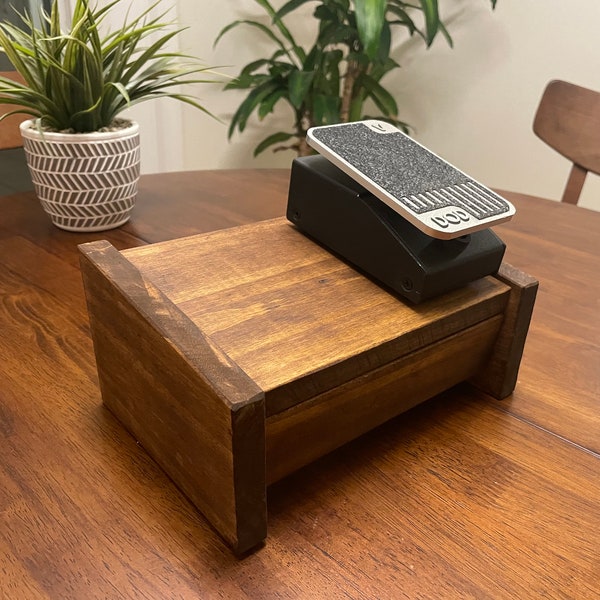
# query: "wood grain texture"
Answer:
x=498 y=376
x=558 y=387
x=461 y=497
x=568 y=120
x=207 y=202
x=436 y=500
x=308 y=331
x=307 y=323
x=299 y=435
x=189 y=405
x=574 y=184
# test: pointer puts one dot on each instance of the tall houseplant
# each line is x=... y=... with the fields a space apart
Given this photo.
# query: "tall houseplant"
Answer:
x=332 y=80
x=84 y=159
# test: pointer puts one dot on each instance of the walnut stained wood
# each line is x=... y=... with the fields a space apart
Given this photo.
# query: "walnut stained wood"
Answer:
x=200 y=389
x=284 y=308
x=303 y=333
x=568 y=120
x=461 y=497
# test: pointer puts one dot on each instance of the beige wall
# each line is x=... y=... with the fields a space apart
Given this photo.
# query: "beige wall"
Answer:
x=161 y=121
x=473 y=105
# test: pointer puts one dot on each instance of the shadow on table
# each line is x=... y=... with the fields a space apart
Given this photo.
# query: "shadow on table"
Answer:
x=14 y=175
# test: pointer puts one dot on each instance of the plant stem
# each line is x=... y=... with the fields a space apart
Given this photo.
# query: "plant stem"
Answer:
x=303 y=123
x=303 y=148
x=352 y=73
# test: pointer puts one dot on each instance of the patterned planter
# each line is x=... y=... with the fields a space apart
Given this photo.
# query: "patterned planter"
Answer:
x=85 y=181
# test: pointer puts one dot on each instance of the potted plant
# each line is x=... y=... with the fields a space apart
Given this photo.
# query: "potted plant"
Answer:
x=331 y=81
x=83 y=158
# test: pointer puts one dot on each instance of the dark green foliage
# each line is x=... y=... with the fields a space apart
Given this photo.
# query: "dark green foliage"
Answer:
x=331 y=81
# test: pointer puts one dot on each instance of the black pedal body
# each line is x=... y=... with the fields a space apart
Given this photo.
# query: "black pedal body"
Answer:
x=334 y=210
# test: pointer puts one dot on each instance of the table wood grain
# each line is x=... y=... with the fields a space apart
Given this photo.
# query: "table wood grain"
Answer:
x=462 y=497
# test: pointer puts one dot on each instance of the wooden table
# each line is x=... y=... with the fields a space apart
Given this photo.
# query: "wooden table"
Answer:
x=462 y=497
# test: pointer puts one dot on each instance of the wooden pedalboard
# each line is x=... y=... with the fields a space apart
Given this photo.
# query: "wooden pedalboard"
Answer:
x=238 y=356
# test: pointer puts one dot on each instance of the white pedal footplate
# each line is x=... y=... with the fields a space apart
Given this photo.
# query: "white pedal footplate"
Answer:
x=427 y=191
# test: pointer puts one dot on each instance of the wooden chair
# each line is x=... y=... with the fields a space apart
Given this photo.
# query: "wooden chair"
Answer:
x=10 y=136
x=568 y=120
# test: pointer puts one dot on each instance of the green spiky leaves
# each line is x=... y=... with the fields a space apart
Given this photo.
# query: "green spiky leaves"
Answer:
x=80 y=79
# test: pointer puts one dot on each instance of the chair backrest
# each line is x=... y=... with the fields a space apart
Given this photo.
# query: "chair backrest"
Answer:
x=10 y=136
x=568 y=120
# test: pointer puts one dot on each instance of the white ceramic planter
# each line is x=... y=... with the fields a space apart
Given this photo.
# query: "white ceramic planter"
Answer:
x=85 y=181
